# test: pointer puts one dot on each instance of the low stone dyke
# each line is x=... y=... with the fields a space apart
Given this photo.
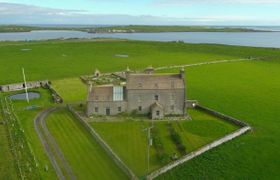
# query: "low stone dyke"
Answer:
x=244 y=127
x=21 y=86
x=104 y=145
x=222 y=116
x=198 y=152
x=191 y=103
x=56 y=97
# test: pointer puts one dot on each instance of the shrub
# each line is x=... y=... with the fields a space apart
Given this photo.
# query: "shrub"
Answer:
x=162 y=156
x=176 y=138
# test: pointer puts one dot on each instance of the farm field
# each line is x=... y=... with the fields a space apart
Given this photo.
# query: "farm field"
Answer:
x=245 y=90
x=87 y=159
x=69 y=59
x=129 y=140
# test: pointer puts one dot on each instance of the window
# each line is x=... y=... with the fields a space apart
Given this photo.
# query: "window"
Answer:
x=140 y=108
x=139 y=85
x=158 y=113
x=119 y=109
x=172 y=108
x=156 y=85
x=96 y=109
x=117 y=93
x=139 y=98
x=156 y=97
x=96 y=98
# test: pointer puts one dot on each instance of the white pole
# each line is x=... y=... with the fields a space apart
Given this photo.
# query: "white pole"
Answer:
x=149 y=136
x=26 y=92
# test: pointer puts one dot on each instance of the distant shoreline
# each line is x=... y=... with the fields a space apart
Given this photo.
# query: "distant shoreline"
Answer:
x=130 y=29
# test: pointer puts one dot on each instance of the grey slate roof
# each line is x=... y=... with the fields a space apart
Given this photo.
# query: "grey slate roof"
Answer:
x=155 y=81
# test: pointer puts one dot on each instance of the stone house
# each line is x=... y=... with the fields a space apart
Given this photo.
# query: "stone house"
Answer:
x=157 y=95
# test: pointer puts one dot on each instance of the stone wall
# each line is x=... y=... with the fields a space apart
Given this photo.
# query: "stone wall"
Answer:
x=244 y=127
x=104 y=145
x=198 y=152
x=21 y=86
x=191 y=103
x=55 y=96
x=222 y=116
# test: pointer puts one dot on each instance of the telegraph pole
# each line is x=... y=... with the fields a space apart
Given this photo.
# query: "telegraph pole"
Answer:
x=25 y=85
x=150 y=142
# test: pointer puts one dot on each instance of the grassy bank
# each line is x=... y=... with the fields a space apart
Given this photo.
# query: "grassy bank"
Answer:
x=26 y=120
x=7 y=168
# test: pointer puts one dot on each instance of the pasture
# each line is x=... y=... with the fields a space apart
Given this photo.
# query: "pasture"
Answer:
x=69 y=59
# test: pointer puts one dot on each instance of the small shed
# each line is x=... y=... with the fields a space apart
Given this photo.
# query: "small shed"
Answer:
x=157 y=111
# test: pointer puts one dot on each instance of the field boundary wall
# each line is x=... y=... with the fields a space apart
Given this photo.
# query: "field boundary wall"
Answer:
x=104 y=145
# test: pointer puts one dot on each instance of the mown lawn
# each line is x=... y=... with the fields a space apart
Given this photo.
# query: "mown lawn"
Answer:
x=129 y=140
x=248 y=91
x=87 y=159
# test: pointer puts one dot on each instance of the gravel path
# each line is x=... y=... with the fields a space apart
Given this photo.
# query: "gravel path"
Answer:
x=49 y=143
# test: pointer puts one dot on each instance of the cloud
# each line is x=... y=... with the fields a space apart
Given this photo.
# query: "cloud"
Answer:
x=191 y=2
x=11 y=13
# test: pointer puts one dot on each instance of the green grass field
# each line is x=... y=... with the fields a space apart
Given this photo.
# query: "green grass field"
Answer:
x=245 y=90
x=248 y=91
x=129 y=140
x=87 y=159
x=69 y=59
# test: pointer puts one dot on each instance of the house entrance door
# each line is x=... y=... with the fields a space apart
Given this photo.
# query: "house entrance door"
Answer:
x=107 y=111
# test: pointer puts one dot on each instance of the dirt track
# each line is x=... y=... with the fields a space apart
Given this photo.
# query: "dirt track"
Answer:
x=52 y=149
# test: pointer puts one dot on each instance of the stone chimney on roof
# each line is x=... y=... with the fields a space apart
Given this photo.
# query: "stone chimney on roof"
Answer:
x=182 y=73
x=127 y=72
x=97 y=73
x=149 y=70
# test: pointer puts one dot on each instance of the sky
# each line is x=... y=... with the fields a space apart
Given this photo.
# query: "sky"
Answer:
x=146 y=12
